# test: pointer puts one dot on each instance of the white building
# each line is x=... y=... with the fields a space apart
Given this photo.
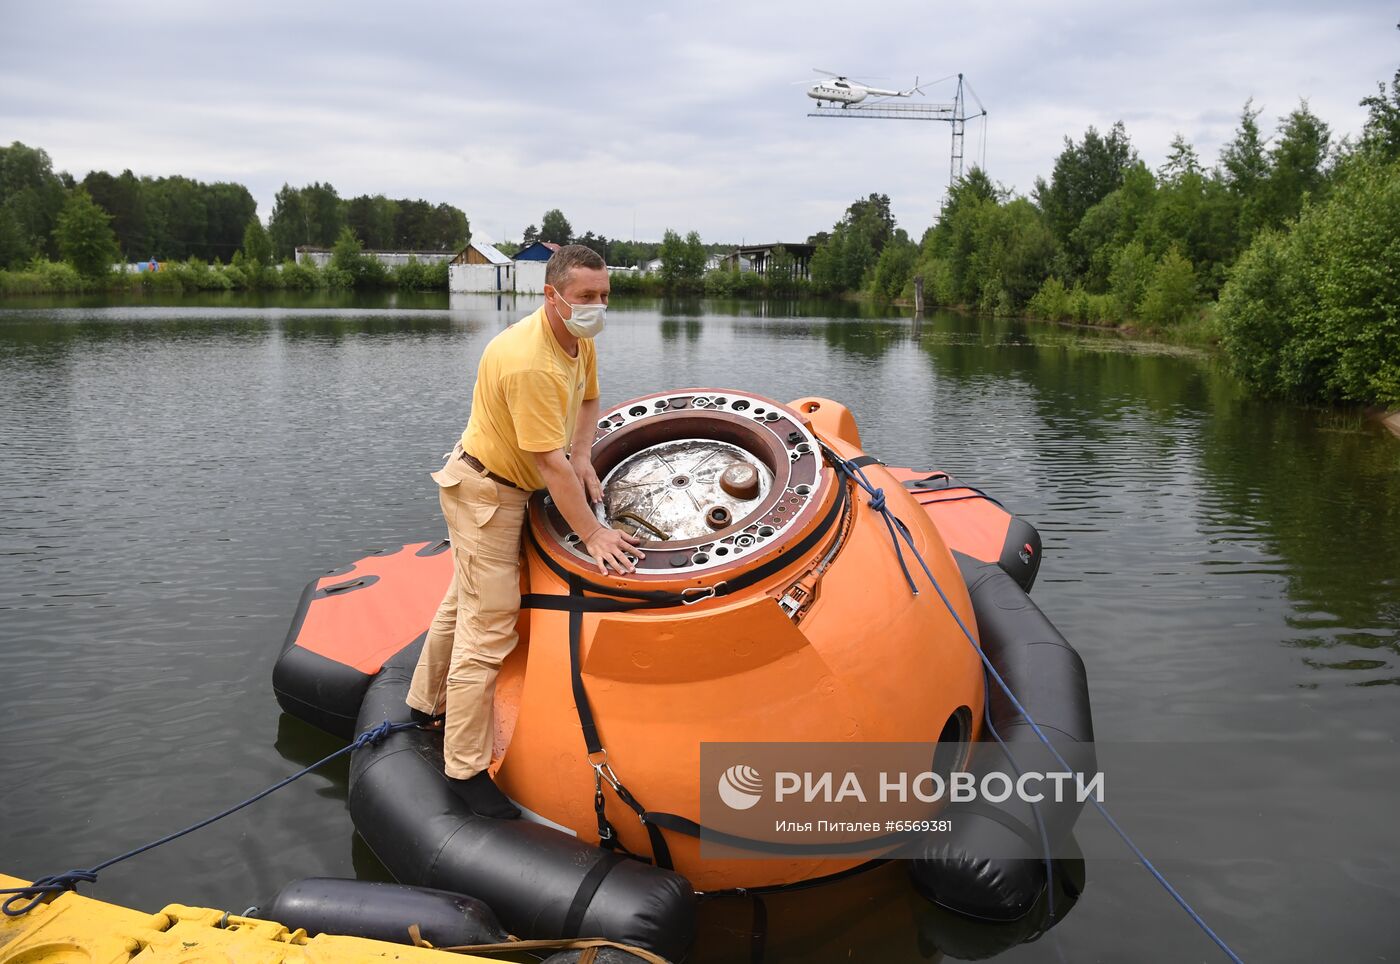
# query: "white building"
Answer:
x=529 y=277
x=481 y=267
x=320 y=257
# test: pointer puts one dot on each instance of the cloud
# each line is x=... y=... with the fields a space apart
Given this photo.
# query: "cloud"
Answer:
x=679 y=116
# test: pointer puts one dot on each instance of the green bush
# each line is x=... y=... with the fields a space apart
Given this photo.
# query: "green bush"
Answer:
x=627 y=282
x=167 y=279
x=1315 y=313
x=412 y=276
x=84 y=235
x=1088 y=308
x=300 y=277
x=1129 y=277
x=41 y=278
x=1052 y=301
x=1005 y=304
x=337 y=279
x=350 y=267
x=57 y=276
x=271 y=278
x=721 y=283
x=174 y=277
x=781 y=284
x=1351 y=248
x=236 y=277
x=214 y=278
x=259 y=277
x=422 y=276
x=893 y=269
x=1171 y=295
x=190 y=275
x=996 y=300
x=748 y=284
x=193 y=275
x=939 y=287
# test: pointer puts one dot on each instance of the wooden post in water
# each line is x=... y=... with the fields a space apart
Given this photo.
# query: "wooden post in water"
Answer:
x=918 y=302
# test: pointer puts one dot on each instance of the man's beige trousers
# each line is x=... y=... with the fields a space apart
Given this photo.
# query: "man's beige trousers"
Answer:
x=474 y=629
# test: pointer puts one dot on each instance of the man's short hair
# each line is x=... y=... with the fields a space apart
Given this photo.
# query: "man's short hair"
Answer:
x=562 y=263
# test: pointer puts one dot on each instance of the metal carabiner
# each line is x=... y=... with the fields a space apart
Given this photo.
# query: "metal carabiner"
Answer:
x=605 y=771
x=602 y=770
x=703 y=593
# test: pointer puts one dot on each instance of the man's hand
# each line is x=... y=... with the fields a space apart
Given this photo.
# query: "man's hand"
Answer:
x=567 y=484
x=588 y=478
x=610 y=547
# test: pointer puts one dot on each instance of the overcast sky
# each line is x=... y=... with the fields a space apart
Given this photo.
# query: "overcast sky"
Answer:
x=657 y=114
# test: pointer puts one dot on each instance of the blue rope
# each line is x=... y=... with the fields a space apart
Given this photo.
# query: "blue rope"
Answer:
x=37 y=892
x=877 y=497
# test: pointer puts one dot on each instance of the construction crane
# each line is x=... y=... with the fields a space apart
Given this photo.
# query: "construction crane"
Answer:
x=884 y=108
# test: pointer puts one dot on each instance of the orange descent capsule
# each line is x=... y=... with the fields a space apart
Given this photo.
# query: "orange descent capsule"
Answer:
x=802 y=626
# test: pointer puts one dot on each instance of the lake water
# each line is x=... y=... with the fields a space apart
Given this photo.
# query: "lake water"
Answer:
x=172 y=475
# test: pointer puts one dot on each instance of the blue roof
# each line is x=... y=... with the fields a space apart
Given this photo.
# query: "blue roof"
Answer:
x=536 y=251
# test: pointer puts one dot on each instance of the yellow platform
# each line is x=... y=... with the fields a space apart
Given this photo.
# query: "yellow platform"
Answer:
x=72 y=929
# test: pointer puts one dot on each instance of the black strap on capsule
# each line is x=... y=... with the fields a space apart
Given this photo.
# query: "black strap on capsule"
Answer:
x=621 y=599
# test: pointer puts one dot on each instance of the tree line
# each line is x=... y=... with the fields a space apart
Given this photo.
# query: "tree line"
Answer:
x=1102 y=223
x=316 y=215
x=1283 y=251
x=164 y=217
x=106 y=218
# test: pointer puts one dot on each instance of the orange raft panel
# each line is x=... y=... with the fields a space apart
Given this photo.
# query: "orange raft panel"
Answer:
x=348 y=622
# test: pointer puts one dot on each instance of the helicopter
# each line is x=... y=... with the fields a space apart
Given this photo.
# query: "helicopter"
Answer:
x=840 y=89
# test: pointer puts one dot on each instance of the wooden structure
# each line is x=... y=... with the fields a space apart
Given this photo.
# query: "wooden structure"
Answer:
x=761 y=256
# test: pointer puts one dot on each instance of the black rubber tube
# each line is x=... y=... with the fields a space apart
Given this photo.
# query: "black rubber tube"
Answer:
x=1020 y=552
x=382 y=912
x=991 y=865
x=532 y=876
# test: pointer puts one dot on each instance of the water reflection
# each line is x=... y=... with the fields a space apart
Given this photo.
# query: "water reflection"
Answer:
x=337 y=327
x=481 y=303
x=672 y=328
x=1317 y=491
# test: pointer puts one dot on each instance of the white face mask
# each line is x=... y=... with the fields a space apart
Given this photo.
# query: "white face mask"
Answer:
x=584 y=321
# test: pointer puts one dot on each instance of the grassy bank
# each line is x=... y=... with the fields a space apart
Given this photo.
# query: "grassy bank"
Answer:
x=1196 y=324
x=60 y=278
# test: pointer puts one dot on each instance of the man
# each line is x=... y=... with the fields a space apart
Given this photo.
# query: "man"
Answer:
x=536 y=399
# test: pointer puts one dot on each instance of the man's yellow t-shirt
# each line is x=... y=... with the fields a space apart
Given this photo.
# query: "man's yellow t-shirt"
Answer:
x=527 y=397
